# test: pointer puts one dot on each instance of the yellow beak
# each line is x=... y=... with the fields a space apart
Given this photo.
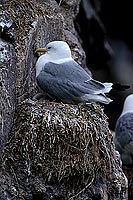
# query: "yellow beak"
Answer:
x=40 y=50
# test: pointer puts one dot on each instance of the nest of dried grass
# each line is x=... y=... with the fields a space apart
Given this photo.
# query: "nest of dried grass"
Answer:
x=58 y=141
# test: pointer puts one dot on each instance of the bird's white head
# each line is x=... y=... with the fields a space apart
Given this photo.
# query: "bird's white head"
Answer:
x=56 y=50
x=128 y=105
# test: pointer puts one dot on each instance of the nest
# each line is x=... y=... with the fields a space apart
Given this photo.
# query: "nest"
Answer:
x=62 y=143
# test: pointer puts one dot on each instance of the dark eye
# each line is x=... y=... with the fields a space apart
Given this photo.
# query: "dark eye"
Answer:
x=49 y=48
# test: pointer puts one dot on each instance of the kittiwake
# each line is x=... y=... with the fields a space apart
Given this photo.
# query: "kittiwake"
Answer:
x=124 y=132
x=63 y=79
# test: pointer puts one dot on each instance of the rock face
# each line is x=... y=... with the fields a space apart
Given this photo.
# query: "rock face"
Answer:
x=54 y=151
x=7 y=89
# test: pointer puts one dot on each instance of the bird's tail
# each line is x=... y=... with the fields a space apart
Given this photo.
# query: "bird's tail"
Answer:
x=102 y=98
x=108 y=87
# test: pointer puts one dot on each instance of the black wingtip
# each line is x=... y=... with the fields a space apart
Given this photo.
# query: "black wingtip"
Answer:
x=120 y=87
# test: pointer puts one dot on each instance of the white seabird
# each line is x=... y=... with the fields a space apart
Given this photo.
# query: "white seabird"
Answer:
x=124 y=132
x=61 y=78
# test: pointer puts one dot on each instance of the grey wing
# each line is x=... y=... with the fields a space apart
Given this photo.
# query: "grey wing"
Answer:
x=124 y=131
x=59 y=88
x=69 y=70
x=73 y=72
